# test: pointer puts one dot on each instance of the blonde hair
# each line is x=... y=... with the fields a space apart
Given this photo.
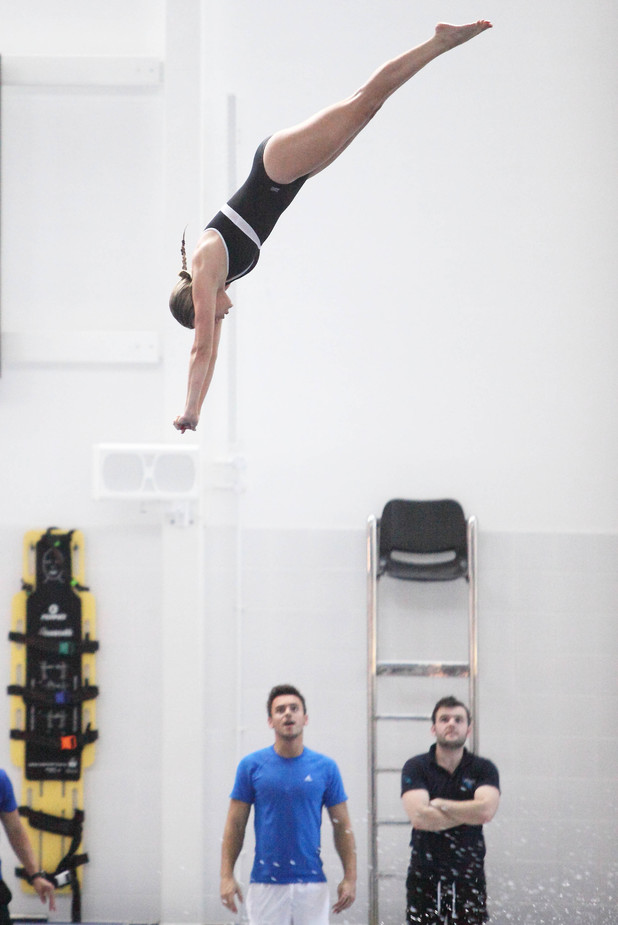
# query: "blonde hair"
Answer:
x=181 y=299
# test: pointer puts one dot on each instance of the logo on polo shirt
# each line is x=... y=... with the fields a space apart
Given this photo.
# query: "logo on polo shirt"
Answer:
x=309 y=779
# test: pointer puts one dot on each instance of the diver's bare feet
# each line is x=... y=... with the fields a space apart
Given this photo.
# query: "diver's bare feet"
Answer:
x=449 y=36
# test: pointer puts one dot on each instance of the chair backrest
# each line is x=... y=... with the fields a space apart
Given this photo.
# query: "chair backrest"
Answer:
x=423 y=540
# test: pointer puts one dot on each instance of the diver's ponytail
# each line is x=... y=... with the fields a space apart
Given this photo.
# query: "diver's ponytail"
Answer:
x=181 y=299
x=183 y=251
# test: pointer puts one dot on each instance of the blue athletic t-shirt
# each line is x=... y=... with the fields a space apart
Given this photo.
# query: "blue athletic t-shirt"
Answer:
x=7 y=798
x=287 y=796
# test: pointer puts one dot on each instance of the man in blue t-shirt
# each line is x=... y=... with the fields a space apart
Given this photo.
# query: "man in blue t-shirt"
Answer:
x=287 y=784
x=448 y=794
x=20 y=843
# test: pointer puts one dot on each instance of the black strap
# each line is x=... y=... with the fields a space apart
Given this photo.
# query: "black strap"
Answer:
x=59 y=825
x=21 y=873
x=67 y=863
x=56 y=646
x=76 y=899
x=54 y=698
x=70 y=863
x=71 y=743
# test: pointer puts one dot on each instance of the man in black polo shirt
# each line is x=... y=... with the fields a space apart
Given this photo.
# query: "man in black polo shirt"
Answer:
x=448 y=794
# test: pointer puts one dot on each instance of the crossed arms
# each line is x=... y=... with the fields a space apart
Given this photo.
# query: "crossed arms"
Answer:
x=438 y=815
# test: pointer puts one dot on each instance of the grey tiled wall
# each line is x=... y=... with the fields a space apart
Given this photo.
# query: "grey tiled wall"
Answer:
x=548 y=697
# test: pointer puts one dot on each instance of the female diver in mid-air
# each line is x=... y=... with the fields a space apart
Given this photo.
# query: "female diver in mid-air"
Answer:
x=230 y=245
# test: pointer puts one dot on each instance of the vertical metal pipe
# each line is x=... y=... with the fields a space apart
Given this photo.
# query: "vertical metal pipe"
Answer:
x=473 y=628
x=372 y=588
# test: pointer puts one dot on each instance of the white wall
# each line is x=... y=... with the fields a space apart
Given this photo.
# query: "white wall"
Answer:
x=547 y=680
x=434 y=316
x=82 y=219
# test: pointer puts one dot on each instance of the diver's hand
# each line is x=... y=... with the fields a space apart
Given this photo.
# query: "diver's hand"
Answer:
x=185 y=422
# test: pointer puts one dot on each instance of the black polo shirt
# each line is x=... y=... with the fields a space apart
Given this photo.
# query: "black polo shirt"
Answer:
x=456 y=852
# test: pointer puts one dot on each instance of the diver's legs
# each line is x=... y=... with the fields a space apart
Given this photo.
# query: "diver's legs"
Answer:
x=310 y=146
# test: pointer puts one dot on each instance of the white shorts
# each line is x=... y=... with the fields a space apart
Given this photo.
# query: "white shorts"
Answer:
x=288 y=903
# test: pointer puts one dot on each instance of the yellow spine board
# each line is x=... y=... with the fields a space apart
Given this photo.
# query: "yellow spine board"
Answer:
x=60 y=798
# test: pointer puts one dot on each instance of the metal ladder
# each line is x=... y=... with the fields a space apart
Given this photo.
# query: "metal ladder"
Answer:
x=414 y=541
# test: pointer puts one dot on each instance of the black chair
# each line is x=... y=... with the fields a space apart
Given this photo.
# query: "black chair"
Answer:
x=423 y=540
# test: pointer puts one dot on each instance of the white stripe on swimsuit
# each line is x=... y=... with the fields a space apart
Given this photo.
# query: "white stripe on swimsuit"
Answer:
x=239 y=221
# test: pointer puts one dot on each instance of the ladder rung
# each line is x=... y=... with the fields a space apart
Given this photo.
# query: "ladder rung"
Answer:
x=391 y=876
x=417 y=717
x=425 y=669
x=393 y=822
